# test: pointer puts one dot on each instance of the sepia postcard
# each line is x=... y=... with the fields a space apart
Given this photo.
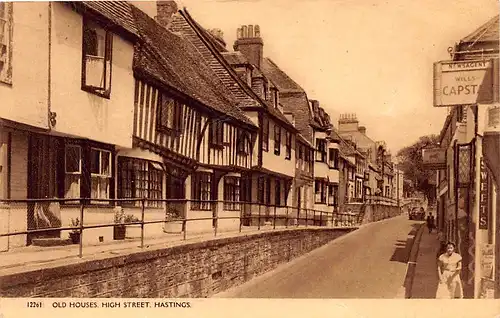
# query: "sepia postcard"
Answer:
x=250 y=158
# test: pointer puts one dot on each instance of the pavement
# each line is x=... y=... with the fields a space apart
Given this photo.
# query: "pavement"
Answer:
x=425 y=278
x=368 y=263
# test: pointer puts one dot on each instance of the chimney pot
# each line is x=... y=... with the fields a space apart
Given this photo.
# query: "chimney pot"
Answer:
x=257 y=31
x=239 y=33
x=250 y=31
x=245 y=31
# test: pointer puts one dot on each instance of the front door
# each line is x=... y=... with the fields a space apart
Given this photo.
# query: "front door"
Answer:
x=42 y=156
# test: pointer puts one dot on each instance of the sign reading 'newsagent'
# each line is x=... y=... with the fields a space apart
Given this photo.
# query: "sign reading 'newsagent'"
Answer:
x=462 y=82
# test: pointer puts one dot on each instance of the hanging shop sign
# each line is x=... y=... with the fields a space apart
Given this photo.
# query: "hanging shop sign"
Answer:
x=434 y=158
x=463 y=82
x=483 y=196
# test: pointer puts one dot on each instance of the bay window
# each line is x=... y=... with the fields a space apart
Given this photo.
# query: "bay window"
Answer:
x=320 y=191
x=320 y=150
x=140 y=179
x=201 y=191
x=231 y=193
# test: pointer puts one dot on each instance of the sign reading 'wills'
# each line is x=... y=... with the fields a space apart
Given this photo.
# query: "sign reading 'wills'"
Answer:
x=462 y=82
x=483 y=197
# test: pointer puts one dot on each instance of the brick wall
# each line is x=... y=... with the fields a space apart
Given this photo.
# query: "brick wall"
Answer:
x=191 y=270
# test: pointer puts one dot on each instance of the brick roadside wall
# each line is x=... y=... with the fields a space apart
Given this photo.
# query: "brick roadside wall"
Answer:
x=194 y=270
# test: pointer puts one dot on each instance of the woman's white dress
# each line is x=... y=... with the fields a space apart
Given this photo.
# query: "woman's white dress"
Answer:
x=452 y=288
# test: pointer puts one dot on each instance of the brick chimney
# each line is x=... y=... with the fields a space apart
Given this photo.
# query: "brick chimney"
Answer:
x=250 y=44
x=362 y=129
x=348 y=123
x=165 y=11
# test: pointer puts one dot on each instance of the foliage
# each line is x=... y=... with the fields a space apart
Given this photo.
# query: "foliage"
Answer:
x=75 y=223
x=410 y=162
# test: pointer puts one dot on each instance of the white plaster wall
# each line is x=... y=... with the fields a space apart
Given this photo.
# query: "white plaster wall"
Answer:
x=25 y=101
x=80 y=113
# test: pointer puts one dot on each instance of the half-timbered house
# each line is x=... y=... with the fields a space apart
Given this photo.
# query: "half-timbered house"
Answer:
x=271 y=178
x=185 y=114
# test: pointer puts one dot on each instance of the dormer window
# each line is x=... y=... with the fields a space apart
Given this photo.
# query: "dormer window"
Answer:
x=96 y=64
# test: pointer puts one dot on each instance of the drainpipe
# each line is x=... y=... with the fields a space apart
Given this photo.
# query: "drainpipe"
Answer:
x=51 y=119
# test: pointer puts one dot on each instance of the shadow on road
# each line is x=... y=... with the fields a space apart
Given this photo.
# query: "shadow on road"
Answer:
x=403 y=247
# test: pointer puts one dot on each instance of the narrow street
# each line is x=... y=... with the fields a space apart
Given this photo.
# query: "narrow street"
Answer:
x=369 y=263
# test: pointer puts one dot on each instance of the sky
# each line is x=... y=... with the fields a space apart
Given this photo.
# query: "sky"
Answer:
x=368 y=57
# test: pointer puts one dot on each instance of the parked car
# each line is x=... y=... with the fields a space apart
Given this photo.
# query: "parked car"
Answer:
x=416 y=214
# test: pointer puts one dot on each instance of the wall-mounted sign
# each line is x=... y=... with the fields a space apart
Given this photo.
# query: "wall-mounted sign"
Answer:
x=434 y=158
x=483 y=197
x=463 y=82
x=487 y=260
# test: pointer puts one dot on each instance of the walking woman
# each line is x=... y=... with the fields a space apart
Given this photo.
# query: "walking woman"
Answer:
x=449 y=267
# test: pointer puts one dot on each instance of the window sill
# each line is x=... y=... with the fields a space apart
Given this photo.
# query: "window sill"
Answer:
x=169 y=131
x=106 y=95
x=217 y=146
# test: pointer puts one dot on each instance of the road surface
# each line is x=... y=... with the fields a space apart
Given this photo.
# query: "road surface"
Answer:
x=368 y=263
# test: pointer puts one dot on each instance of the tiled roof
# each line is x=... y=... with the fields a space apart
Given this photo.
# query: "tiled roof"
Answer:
x=118 y=12
x=176 y=63
x=280 y=78
x=184 y=24
x=297 y=103
x=488 y=32
x=302 y=139
x=235 y=58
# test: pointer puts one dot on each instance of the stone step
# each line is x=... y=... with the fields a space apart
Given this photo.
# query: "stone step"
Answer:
x=51 y=241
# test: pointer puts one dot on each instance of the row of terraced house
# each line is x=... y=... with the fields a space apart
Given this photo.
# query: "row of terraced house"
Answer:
x=105 y=101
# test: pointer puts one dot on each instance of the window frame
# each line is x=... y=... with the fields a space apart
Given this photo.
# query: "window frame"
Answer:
x=320 y=150
x=73 y=174
x=104 y=92
x=232 y=193
x=265 y=134
x=6 y=65
x=277 y=140
x=100 y=175
x=320 y=187
x=288 y=145
x=216 y=134
x=176 y=115
x=125 y=168
x=201 y=186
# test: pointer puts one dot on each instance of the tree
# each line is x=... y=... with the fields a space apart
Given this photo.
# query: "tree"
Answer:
x=410 y=162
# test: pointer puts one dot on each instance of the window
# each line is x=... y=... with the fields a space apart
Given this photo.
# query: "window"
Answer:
x=169 y=117
x=140 y=179
x=277 y=140
x=96 y=64
x=231 y=193
x=6 y=42
x=320 y=150
x=73 y=171
x=333 y=158
x=261 y=184
x=265 y=134
x=288 y=140
x=277 y=192
x=216 y=136
x=320 y=191
x=243 y=145
x=100 y=172
x=333 y=194
x=201 y=191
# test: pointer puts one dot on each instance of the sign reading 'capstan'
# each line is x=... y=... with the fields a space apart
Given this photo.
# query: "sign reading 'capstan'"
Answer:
x=434 y=158
x=462 y=82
